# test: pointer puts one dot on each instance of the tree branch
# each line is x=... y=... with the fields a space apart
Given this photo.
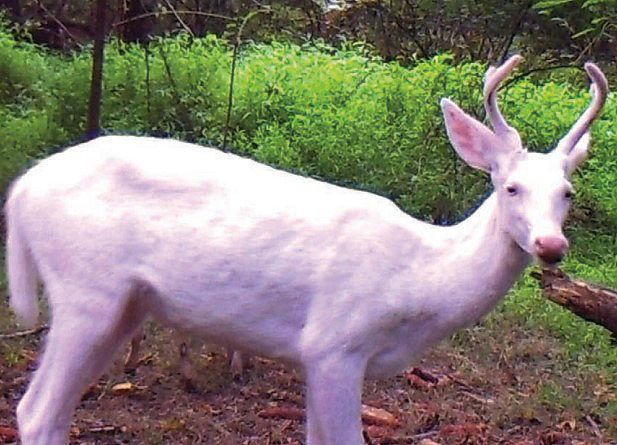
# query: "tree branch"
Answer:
x=175 y=13
x=515 y=29
x=537 y=70
x=156 y=14
x=57 y=21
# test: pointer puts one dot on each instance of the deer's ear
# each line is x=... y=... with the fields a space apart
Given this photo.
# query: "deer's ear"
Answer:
x=472 y=140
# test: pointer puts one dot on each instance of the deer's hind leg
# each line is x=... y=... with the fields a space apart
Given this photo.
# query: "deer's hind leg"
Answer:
x=87 y=327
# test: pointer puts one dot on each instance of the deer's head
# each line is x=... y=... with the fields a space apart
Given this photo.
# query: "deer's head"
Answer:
x=533 y=190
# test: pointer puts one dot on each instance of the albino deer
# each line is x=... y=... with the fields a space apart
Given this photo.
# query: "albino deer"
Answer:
x=338 y=281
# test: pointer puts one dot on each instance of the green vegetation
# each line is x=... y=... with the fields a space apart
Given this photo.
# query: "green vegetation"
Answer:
x=338 y=114
x=342 y=115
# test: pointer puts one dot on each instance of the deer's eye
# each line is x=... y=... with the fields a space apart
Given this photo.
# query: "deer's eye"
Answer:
x=512 y=190
x=569 y=194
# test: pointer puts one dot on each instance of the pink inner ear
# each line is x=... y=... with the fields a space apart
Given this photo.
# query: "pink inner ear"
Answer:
x=465 y=139
x=468 y=136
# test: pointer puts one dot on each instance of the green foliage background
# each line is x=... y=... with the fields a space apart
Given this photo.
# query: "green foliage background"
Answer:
x=339 y=114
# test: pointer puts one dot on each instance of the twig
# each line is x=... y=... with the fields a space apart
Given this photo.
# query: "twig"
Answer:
x=233 y=73
x=458 y=381
x=57 y=20
x=184 y=25
x=231 y=93
x=504 y=54
x=391 y=440
x=261 y=5
x=102 y=394
x=181 y=12
x=187 y=118
x=536 y=70
x=592 y=42
x=477 y=398
x=594 y=426
x=425 y=375
x=104 y=429
x=148 y=94
x=171 y=79
x=423 y=435
x=413 y=35
x=27 y=333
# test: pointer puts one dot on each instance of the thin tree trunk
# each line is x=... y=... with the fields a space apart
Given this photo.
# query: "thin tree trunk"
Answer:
x=135 y=29
x=93 y=126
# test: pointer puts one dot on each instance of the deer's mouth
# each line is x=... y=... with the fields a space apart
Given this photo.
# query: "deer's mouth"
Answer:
x=550 y=263
x=550 y=250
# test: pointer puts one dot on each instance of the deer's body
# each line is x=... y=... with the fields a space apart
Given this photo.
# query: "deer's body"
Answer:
x=236 y=264
x=340 y=282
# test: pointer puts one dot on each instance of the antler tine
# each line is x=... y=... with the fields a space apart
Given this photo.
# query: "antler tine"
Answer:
x=599 y=93
x=492 y=80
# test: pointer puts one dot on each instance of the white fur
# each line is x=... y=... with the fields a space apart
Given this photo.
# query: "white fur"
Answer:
x=340 y=282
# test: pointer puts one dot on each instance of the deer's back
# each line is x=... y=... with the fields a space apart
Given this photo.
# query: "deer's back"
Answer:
x=227 y=245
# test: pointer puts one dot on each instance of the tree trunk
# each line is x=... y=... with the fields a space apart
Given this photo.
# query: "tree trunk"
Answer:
x=93 y=126
x=592 y=303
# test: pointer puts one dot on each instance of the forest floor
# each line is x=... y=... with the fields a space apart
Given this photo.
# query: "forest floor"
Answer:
x=499 y=384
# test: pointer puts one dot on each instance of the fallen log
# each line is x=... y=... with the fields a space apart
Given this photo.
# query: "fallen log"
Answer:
x=590 y=302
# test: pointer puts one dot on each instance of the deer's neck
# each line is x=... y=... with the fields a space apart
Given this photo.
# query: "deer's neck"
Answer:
x=481 y=264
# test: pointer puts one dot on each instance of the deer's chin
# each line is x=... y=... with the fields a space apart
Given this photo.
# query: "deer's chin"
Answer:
x=542 y=264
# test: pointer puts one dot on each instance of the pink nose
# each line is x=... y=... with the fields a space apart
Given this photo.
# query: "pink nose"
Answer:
x=551 y=249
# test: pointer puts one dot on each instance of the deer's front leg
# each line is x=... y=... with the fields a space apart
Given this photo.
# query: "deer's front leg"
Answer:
x=333 y=399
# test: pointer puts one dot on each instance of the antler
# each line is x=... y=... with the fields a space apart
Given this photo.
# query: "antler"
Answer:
x=492 y=79
x=599 y=92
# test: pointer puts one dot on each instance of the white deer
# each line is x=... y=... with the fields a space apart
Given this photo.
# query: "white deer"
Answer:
x=338 y=281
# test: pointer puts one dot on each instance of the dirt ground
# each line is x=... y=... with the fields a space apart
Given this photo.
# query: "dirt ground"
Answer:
x=497 y=394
